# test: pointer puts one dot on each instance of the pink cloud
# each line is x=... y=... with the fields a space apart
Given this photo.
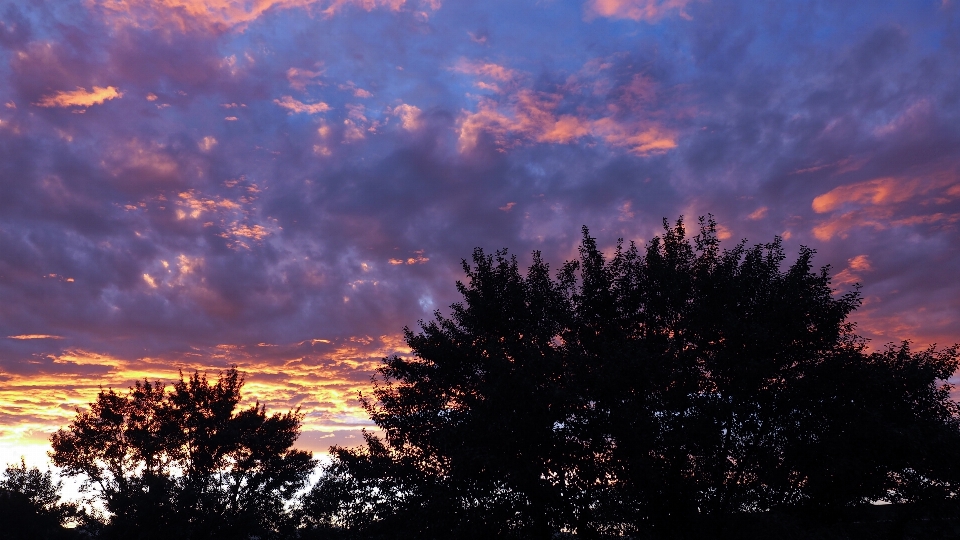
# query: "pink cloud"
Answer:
x=487 y=70
x=295 y=106
x=299 y=79
x=409 y=116
x=225 y=14
x=637 y=10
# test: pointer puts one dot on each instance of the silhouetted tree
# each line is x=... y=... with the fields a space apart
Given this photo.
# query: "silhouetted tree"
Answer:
x=185 y=463
x=637 y=395
x=30 y=506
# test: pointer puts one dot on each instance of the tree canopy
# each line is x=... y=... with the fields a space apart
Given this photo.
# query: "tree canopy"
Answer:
x=637 y=393
x=186 y=463
x=662 y=392
x=31 y=506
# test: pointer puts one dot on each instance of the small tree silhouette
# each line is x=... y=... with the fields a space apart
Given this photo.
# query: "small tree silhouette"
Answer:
x=30 y=506
x=185 y=463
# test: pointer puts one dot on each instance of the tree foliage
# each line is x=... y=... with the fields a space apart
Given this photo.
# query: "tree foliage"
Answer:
x=639 y=393
x=186 y=462
x=30 y=506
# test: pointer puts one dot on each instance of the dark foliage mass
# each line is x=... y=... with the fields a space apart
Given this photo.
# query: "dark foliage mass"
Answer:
x=186 y=463
x=30 y=507
x=681 y=391
x=661 y=392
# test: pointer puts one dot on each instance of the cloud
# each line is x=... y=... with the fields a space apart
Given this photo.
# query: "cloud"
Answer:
x=637 y=10
x=299 y=79
x=532 y=116
x=320 y=376
x=225 y=14
x=487 y=70
x=333 y=6
x=352 y=138
x=295 y=106
x=80 y=97
x=351 y=87
x=856 y=266
x=879 y=191
x=604 y=101
x=207 y=143
x=410 y=116
x=887 y=202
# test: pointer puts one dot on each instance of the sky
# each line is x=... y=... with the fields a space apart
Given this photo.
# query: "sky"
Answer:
x=284 y=185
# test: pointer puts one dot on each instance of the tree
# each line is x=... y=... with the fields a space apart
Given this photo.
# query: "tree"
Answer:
x=471 y=450
x=185 y=462
x=30 y=505
x=640 y=394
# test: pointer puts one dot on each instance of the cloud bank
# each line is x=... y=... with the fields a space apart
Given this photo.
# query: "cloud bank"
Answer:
x=285 y=185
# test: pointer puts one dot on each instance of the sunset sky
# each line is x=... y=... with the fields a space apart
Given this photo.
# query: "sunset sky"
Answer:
x=285 y=184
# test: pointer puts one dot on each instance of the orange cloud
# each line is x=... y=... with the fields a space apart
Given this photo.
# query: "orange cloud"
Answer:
x=530 y=115
x=418 y=258
x=235 y=218
x=254 y=232
x=81 y=97
x=638 y=138
x=855 y=267
x=520 y=114
x=638 y=10
x=884 y=202
x=860 y=263
x=878 y=191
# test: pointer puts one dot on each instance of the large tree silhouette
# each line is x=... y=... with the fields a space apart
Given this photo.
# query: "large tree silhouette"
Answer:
x=186 y=463
x=639 y=394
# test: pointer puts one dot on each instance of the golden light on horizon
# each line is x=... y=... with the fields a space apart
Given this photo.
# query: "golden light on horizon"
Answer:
x=323 y=385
